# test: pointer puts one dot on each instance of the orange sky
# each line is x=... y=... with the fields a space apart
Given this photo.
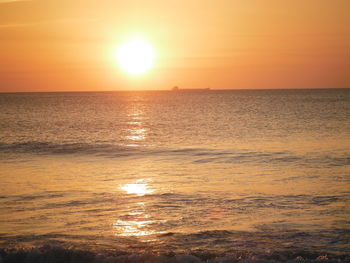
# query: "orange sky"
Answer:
x=58 y=45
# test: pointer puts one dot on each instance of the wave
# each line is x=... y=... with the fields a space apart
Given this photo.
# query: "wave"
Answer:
x=62 y=148
x=195 y=155
x=89 y=202
x=49 y=254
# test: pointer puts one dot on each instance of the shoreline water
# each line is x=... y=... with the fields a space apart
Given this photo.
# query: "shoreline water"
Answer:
x=50 y=254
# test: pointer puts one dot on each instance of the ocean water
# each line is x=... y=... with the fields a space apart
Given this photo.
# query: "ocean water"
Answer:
x=175 y=176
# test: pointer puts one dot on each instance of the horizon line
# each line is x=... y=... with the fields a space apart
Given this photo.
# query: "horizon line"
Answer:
x=179 y=90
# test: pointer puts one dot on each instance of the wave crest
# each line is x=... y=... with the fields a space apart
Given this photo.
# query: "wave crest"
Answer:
x=196 y=155
x=48 y=254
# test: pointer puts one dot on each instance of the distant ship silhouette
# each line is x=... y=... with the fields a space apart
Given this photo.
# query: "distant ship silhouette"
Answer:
x=176 y=88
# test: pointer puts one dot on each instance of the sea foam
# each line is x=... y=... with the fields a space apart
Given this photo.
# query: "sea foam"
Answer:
x=48 y=254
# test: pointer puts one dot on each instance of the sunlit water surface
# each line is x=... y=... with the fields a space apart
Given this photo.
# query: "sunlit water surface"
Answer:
x=176 y=171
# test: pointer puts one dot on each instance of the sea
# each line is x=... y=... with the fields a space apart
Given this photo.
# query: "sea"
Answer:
x=175 y=176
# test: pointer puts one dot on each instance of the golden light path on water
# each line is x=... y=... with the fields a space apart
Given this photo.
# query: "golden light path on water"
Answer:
x=140 y=222
x=136 y=223
x=140 y=189
x=136 y=133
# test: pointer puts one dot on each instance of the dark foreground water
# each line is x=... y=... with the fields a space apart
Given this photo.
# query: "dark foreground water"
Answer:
x=175 y=176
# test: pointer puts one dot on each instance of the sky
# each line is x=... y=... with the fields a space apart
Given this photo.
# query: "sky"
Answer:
x=70 y=45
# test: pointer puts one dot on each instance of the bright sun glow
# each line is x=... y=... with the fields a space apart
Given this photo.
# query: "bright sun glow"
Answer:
x=135 y=56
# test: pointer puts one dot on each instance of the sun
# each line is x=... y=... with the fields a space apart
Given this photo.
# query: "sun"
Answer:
x=135 y=56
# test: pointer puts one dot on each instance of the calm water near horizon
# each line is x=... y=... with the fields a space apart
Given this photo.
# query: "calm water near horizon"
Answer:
x=203 y=172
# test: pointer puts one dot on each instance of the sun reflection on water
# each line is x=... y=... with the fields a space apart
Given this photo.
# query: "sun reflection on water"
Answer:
x=137 y=134
x=140 y=189
x=136 y=131
x=137 y=222
x=134 y=227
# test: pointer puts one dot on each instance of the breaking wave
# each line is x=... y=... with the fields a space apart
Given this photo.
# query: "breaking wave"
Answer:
x=49 y=254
